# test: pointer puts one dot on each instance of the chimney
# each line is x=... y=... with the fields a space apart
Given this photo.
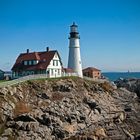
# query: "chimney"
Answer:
x=27 y=50
x=47 y=49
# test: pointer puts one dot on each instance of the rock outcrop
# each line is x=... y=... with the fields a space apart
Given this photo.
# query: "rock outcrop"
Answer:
x=68 y=109
x=132 y=84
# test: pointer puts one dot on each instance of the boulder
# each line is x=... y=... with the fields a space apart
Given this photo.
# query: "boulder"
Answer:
x=62 y=88
x=91 y=103
x=132 y=85
x=100 y=132
x=7 y=132
x=44 y=119
x=25 y=118
x=43 y=96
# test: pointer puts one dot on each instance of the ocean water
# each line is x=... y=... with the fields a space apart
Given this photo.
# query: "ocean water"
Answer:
x=112 y=76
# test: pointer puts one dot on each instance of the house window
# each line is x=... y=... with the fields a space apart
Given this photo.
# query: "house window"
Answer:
x=34 y=62
x=56 y=62
x=48 y=72
x=51 y=71
x=53 y=62
x=30 y=62
x=25 y=62
x=58 y=71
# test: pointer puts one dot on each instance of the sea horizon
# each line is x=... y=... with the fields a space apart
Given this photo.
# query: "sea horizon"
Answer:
x=113 y=76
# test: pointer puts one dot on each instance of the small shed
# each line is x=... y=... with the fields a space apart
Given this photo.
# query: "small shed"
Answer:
x=92 y=72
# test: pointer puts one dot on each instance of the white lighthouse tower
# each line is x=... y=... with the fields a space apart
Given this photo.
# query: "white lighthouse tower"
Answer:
x=74 y=61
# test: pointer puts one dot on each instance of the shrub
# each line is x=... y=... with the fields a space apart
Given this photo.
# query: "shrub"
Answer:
x=57 y=97
x=106 y=86
x=21 y=108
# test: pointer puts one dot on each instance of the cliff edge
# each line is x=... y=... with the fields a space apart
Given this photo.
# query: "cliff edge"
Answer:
x=68 y=109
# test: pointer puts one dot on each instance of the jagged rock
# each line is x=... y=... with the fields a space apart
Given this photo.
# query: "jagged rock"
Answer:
x=81 y=125
x=137 y=137
x=18 y=125
x=20 y=95
x=44 y=119
x=91 y=102
x=70 y=119
x=43 y=96
x=7 y=132
x=100 y=132
x=68 y=109
x=132 y=85
x=8 y=109
x=62 y=88
x=98 y=109
x=59 y=133
x=25 y=118
x=70 y=128
x=4 y=138
x=2 y=94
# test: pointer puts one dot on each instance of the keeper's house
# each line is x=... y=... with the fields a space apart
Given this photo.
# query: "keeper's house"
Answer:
x=29 y=63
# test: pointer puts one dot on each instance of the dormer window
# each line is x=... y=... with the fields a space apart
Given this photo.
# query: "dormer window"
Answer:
x=25 y=63
x=30 y=62
x=35 y=62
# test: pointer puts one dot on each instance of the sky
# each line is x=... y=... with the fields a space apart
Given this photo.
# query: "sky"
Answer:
x=109 y=31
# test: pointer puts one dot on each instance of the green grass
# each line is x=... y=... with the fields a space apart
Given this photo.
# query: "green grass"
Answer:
x=2 y=81
x=53 y=79
x=12 y=83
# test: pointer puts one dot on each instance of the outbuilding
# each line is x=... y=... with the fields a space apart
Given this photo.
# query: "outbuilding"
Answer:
x=92 y=72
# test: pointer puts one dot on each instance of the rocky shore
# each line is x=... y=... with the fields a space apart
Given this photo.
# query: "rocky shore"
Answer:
x=132 y=84
x=68 y=109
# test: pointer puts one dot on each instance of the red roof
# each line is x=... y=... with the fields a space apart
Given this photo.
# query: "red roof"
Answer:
x=91 y=68
x=44 y=59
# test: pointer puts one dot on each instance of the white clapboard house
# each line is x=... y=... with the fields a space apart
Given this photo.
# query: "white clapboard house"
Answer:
x=30 y=63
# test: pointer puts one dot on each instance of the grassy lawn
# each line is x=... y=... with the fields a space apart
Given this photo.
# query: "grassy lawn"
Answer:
x=54 y=78
x=2 y=81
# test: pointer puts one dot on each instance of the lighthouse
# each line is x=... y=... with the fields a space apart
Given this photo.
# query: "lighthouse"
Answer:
x=74 y=61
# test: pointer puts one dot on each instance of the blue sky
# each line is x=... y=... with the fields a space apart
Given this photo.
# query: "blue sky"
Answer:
x=109 y=31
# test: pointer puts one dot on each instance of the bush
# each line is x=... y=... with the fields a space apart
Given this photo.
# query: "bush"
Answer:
x=106 y=86
x=57 y=97
x=21 y=108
